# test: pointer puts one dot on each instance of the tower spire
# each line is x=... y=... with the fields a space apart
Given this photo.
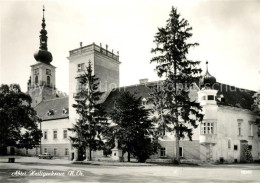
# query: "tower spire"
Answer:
x=43 y=19
x=207 y=66
x=43 y=55
x=43 y=9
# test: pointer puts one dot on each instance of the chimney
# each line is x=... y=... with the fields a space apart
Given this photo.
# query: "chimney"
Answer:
x=80 y=44
x=143 y=81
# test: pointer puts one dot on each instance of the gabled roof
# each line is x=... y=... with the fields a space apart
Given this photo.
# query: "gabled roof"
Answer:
x=56 y=104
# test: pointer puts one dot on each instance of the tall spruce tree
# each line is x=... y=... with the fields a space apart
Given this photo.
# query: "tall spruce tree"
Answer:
x=88 y=128
x=172 y=63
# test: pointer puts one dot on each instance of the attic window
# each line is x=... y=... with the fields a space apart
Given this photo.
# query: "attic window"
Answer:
x=50 y=112
x=144 y=101
x=210 y=97
x=65 y=110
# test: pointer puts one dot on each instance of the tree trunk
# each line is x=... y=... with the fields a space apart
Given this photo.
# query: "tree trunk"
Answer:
x=176 y=115
x=128 y=157
x=177 y=148
x=90 y=157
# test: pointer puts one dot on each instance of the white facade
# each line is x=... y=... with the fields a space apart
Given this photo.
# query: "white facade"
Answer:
x=224 y=130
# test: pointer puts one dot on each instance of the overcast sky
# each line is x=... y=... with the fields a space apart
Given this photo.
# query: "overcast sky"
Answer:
x=228 y=33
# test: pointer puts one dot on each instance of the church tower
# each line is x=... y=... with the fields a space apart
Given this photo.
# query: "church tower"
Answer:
x=41 y=85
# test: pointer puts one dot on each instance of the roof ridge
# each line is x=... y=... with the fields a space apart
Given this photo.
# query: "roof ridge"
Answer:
x=238 y=87
x=55 y=98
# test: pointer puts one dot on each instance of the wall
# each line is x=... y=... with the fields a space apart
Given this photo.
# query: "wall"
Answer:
x=60 y=143
x=191 y=149
x=227 y=129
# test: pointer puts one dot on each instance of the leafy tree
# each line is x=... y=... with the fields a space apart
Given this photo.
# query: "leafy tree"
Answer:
x=256 y=109
x=89 y=126
x=18 y=119
x=172 y=63
x=132 y=127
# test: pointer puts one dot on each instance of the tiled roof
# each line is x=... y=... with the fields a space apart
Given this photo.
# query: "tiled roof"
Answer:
x=140 y=90
x=56 y=105
x=233 y=96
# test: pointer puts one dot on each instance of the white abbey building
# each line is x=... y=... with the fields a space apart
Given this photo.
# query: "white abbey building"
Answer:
x=226 y=129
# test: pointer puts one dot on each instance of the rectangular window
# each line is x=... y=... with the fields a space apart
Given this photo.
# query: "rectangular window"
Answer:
x=239 y=128
x=181 y=151
x=81 y=67
x=163 y=152
x=55 y=134
x=65 y=133
x=66 y=151
x=250 y=147
x=55 y=152
x=229 y=144
x=250 y=129
x=210 y=97
x=203 y=98
x=45 y=135
x=48 y=72
x=36 y=151
x=235 y=147
x=207 y=128
x=45 y=150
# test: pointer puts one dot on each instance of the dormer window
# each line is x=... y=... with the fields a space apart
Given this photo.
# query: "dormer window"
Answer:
x=210 y=97
x=50 y=112
x=144 y=101
x=65 y=110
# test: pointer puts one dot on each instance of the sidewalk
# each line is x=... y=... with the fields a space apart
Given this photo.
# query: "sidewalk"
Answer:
x=112 y=163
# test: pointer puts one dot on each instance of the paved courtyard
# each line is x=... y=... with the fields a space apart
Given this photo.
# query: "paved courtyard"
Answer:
x=34 y=170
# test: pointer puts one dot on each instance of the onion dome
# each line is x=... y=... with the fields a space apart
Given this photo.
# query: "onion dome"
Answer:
x=207 y=81
x=43 y=55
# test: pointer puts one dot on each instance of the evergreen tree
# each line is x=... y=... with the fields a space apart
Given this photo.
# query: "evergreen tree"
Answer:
x=256 y=109
x=18 y=120
x=88 y=128
x=247 y=153
x=172 y=63
x=132 y=127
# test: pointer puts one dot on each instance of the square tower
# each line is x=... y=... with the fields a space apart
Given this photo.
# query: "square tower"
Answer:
x=105 y=65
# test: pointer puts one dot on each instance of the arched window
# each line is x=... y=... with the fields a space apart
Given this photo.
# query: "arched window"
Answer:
x=229 y=144
x=48 y=80
x=36 y=79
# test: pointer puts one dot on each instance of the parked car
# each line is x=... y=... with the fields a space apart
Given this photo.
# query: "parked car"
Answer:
x=45 y=156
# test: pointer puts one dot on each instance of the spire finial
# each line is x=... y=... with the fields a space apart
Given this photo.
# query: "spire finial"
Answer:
x=43 y=19
x=207 y=66
x=43 y=9
x=43 y=55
